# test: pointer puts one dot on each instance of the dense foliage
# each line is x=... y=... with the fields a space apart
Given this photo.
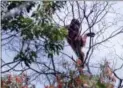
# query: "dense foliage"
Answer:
x=105 y=79
x=37 y=29
x=16 y=81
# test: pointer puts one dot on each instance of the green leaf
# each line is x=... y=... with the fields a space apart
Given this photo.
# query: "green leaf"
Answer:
x=50 y=55
x=33 y=54
x=27 y=64
x=100 y=85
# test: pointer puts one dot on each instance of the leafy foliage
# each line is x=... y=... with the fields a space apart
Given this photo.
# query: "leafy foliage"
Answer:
x=51 y=6
x=83 y=80
x=17 y=3
x=35 y=28
x=15 y=81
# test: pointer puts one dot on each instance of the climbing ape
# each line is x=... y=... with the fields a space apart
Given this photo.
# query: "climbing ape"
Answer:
x=76 y=41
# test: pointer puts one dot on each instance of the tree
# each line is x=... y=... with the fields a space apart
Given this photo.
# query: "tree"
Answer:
x=31 y=31
x=16 y=81
x=40 y=36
